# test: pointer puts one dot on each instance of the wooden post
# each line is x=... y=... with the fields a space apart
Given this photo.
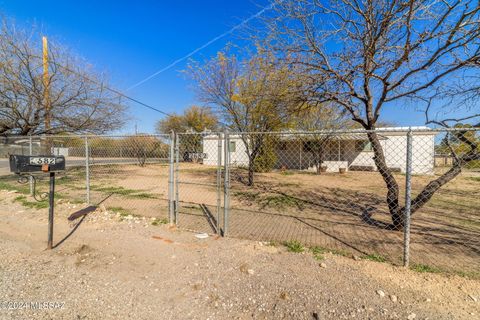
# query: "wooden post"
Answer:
x=46 y=83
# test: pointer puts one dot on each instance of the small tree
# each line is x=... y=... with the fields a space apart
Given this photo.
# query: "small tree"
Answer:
x=253 y=96
x=267 y=156
x=144 y=146
x=322 y=120
x=194 y=119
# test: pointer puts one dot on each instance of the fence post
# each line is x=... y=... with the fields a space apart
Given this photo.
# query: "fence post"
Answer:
x=219 y=179
x=408 y=201
x=177 y=159
x=87 y=170
x=226 y=182
x=171 y=201
x=30 y=150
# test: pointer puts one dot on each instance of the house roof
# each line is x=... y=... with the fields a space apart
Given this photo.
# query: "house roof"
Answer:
x=343 y=134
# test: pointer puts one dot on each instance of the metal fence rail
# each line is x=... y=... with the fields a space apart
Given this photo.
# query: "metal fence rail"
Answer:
x=406 y=195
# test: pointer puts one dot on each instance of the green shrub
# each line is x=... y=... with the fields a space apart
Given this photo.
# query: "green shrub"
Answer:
x=294 y=246
x=318 y=252
x=31 y=204
x=375 y=257
x=267 y=157
x=157 y=221
x=425 y=268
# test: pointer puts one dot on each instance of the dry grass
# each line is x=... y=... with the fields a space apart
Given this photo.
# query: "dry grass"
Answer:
x=326 y=210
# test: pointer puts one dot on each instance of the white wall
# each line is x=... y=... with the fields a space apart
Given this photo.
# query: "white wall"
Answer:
x=393 y=144
x=395 y=150
x=423 y=161
x=210 y=147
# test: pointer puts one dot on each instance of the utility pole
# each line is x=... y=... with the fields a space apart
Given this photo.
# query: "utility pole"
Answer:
x=46 y=84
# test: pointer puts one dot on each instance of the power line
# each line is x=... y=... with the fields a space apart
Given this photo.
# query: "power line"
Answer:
x=101 y=84
x=111 y=89
x=241 y=24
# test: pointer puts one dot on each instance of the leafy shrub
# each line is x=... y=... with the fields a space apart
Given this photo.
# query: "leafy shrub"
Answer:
x=294 y=246
x=267 y=157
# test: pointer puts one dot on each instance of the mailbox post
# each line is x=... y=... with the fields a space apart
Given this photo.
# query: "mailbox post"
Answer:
x=51 y=204
x=28 y=165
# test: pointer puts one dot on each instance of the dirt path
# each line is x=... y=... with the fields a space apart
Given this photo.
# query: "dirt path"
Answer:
x=131 y=269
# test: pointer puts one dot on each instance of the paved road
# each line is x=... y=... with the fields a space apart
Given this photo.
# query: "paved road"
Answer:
x=75 y=162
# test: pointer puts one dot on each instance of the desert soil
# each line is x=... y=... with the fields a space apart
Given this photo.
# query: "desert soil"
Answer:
x=115 y=267
x=323 y=210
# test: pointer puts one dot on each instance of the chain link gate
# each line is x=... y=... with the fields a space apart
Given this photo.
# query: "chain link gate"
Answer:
x=198 y=182
x=321 y=189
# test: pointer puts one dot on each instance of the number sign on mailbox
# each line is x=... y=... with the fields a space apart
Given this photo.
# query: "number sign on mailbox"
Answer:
x=28 y=164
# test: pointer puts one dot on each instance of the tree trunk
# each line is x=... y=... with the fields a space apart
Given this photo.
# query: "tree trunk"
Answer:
x=398 y=213
x=427 y=193
x=318 y=164
x=251 y=171
x=318 y=159
x=392 y=185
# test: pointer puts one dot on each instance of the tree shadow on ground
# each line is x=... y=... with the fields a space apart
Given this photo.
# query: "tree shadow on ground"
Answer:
x=349 y=217
x=431 y=227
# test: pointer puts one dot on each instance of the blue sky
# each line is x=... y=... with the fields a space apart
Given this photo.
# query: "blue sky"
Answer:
x=131 y=40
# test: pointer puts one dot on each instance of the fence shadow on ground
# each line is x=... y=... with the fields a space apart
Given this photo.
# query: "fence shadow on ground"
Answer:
x=352 y=220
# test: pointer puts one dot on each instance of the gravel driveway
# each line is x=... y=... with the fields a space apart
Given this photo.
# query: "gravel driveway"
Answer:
x=130 y=269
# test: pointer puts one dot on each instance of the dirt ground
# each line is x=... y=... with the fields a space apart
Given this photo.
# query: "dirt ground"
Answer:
x=325 y=211
x=123 y=267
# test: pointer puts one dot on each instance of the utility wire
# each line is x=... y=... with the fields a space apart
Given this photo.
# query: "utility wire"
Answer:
x=111 y=89
x=241 y=24
x=102 y=85
x=174 y=63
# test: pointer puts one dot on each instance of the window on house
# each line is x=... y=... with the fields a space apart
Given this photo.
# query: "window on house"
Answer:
x=232 y=146
x=361 y=146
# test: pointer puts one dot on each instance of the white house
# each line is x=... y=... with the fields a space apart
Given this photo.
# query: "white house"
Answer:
x=351 y=151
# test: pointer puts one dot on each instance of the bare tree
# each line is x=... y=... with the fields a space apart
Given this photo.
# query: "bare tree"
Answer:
x=78 y=98
x=253 y=96
x=366 y=54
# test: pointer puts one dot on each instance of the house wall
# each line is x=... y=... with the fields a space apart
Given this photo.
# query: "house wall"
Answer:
x=293 y=156
x=395 y=150
x=423 y=161
x=237 y=158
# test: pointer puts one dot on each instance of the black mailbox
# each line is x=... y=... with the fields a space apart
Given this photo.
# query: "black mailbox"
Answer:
x=27 y=164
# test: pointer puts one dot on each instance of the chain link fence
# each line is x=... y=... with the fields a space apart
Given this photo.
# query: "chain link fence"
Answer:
x=125 y=175
x=407 y=196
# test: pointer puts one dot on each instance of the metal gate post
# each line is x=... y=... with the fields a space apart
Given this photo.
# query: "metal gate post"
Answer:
x=177 y=158
x=171 y=201
x=219 y=179
x=408 y=201
x=30 y=150
x=226 y=182
x=87 y=170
